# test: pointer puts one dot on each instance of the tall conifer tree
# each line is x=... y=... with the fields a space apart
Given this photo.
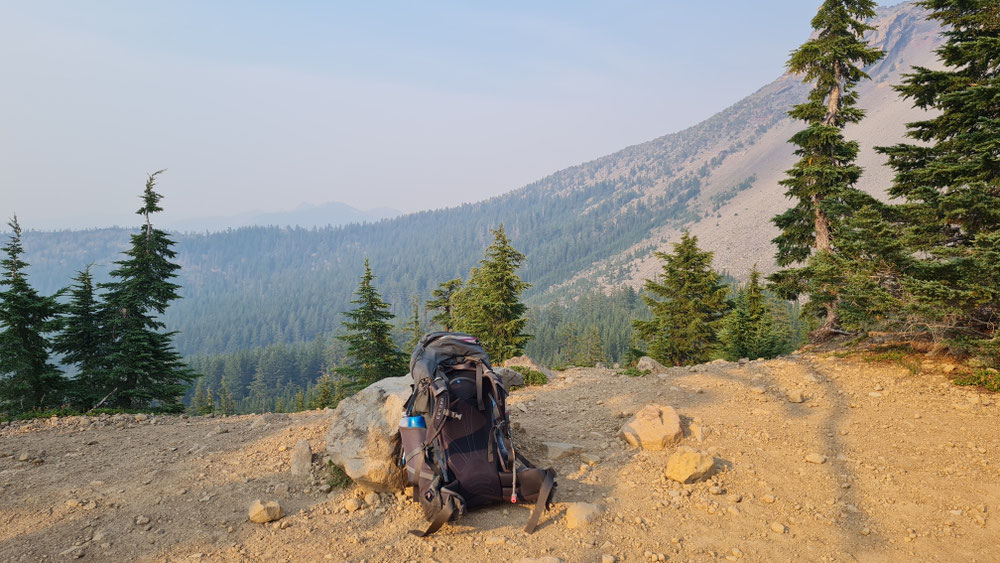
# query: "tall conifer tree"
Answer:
x=371 y=351
x=80 y=341
x=686 y=303
x=950 y=182
x=822 y=181
x=489 y=306
x=28 y=380
x=142 y=365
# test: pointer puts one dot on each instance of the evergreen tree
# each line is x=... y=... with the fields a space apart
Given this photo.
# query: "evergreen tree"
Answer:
x=371 y=352
x=822 y=181
x=80 y=341
x=142 y=365
x=28 y=380
x=750 y=329
x=325 y=393
x=593 y=348
x=950 y=183
x=300 y=401
x=200 y=398
x=489 y=306
x=414 y=327
x=442 y=302
x=227 y=406
x=686 y=305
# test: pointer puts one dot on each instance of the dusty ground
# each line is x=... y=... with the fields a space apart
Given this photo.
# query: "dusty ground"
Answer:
x=912 y=474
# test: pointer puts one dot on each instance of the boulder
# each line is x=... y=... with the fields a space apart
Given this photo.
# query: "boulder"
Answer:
x=580 y=514
x=261 y=512
x=688 y=465
x=301 y=459
x=363 y=437
x=509 y=377
x=526 y=362
x=649 y=364
x=654 y=427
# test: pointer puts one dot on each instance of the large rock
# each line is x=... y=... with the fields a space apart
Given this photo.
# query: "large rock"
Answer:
x=653 y=428
x=509 y=377
x=688 y=465
x=364 y=437
x=649 y=364
x=526 y=362
x=261 y=512
x=301 y=459
x=580 y=514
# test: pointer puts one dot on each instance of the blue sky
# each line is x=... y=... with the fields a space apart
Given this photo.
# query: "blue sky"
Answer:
x=263 y=106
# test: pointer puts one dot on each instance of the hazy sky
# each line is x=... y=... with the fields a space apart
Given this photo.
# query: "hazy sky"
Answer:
x=411 y=105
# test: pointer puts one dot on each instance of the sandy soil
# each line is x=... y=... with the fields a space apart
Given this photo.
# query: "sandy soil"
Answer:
x=912 y=472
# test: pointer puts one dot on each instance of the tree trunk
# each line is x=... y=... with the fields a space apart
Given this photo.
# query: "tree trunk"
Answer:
x=829 y=328
x=822 y=226
x=833 y=105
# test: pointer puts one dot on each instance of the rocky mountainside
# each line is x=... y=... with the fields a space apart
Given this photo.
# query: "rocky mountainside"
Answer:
x=737 y=157
x=813 y=457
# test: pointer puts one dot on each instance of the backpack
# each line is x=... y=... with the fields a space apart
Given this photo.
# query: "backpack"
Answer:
x=456 y=440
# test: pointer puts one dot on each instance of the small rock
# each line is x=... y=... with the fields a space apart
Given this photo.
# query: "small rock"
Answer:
x=281 y=489
x=778 y=528
x=744 y=361
x=795 y=396
x=734 y=498
x=646 y=363
x=559 y=450
x=301 y=459
x=141 y=520
x=715 y=490
x=590 y=458
x=816 y=458
x=352 y=504
x=372 y=499
x=580 y=514
x=608 y=558
x=495 y=540
x=688 y=465
x=769 y=499
x=262 y=512
x=653 y=428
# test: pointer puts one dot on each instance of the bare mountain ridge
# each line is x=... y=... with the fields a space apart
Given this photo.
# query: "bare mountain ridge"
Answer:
x=738 y=156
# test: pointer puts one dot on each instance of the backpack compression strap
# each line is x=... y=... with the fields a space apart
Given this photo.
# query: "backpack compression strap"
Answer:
x=443 y=516
x=542 y=504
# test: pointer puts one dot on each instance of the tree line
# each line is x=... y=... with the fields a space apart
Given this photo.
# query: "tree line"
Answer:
x=113 y=343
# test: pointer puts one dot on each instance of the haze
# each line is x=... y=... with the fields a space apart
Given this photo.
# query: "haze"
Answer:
x=260 y=106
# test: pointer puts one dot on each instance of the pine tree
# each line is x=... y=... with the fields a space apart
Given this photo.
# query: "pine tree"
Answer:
x=141 y=362
x=691 y=302
x=750 y=329
x=28 y=380
x=442 y=302
x=209 y=401
x=593 y=348
x=414 y=327
x=371 y=351
x=822 y=181
x=489 y=305
x=949 y=182
x=199 y=399
x=80 y=342
x=300 y=401
x=227 y=406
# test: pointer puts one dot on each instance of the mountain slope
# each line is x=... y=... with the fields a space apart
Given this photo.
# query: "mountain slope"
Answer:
x=595 y=223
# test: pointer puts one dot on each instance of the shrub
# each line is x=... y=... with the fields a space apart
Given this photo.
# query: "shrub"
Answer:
x=533 y=377
x=337 y=478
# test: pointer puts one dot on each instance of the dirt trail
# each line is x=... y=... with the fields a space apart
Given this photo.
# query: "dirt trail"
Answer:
x=912 y=472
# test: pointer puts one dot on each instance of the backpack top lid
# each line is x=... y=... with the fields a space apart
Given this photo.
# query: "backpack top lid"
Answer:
x=436 y=348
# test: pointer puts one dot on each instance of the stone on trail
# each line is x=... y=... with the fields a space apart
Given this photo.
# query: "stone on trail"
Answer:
x=262 y=512
x=559 y=450
x=816 y=458
x=580 y=514
x=688 y=465
x=653 y=428
x=352 y=505
x=778 y=528
x=795 y=396
x=301 y=459
x=364 y=436
x=548 y=559
x=647 y=363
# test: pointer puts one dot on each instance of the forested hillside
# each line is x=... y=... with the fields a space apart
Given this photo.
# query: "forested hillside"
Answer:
x=257 y=286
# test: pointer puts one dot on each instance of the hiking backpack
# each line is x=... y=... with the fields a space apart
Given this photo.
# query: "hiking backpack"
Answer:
x=456 y=440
